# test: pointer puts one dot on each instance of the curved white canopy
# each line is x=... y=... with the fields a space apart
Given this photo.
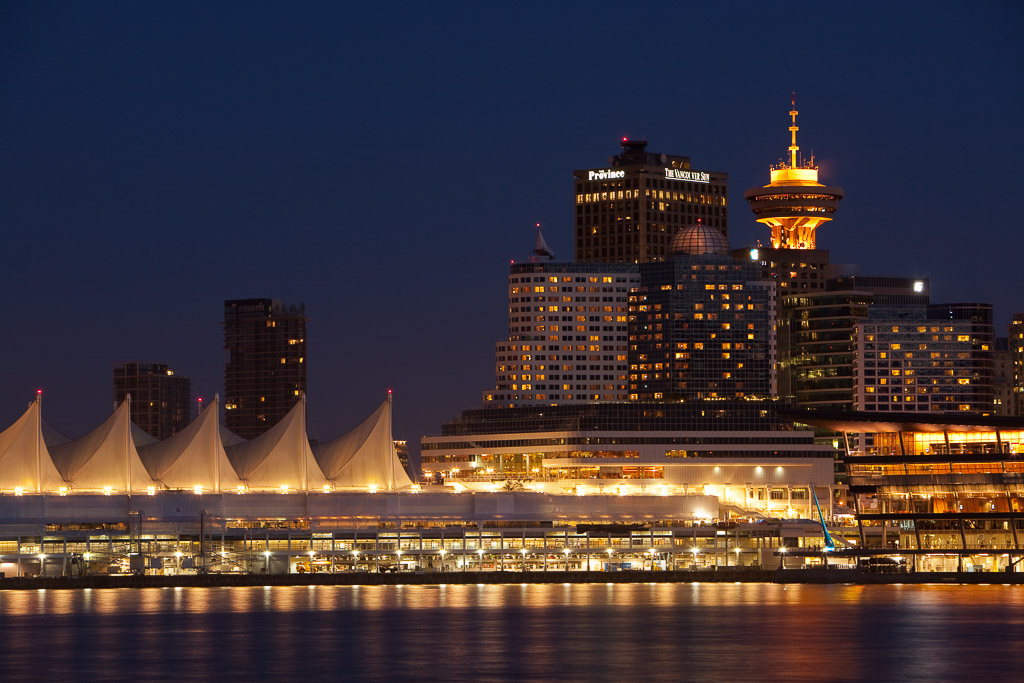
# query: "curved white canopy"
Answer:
x=193 y=457
x=280 y=457
x=365 y=456
x=104 y=458
x=24 y=460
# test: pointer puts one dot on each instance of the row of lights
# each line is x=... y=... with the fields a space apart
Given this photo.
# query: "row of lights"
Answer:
x=198 y=489
x=355 y=553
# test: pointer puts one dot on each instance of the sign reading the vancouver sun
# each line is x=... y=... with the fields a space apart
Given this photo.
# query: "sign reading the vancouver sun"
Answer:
x=692 y=176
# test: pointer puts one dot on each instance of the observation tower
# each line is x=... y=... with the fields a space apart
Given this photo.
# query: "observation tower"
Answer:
x=794 y=203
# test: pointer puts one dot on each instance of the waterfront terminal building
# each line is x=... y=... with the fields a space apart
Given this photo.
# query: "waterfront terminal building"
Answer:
x=739 y=451
x=207 y=501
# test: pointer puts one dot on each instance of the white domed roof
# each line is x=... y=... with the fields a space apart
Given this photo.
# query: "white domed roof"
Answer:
x=699 y=239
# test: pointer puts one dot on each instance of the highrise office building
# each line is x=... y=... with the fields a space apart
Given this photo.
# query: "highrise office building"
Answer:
x=264 y=364
x=161 y=400
x=629 y=211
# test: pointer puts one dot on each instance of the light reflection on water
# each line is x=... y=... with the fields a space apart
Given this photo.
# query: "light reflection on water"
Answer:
x=492 y=632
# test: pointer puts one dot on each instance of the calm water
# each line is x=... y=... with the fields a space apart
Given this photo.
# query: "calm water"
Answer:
x=606 y=632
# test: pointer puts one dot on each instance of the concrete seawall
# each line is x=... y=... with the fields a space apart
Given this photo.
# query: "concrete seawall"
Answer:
x=732 y=575
x=386 y=579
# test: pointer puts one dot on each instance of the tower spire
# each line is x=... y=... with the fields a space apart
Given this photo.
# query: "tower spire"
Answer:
x=793 y=128
x=794 y=203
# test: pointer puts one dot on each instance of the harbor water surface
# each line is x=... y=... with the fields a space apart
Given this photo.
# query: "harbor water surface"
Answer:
x=529 y=632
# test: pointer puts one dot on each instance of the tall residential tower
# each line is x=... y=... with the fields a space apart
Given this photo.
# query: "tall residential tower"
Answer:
x=161 y=403
x=264 y=364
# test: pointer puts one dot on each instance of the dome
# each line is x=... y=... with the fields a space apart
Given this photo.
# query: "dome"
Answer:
x=697 y=240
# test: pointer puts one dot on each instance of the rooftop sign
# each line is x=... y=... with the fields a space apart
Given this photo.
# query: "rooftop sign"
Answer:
x=605 y=175
x=692 y=176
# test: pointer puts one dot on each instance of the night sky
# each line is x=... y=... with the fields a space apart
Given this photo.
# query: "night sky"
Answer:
x=384 y=166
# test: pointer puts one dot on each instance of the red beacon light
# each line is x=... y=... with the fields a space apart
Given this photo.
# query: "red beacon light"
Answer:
x=39 y=392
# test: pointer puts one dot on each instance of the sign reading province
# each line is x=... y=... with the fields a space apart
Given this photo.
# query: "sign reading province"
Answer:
x=692 y=176
x=606 y=175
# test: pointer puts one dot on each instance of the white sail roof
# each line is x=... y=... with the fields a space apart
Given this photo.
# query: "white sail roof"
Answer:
x=24 y=460
x=193 y=457
x=105 y=457
x=279 y=457
x=365 y=456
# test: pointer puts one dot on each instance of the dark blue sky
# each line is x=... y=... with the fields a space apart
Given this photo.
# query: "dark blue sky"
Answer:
x=383 y=166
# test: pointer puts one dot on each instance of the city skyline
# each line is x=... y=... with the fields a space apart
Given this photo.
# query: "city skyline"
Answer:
x=149 y=183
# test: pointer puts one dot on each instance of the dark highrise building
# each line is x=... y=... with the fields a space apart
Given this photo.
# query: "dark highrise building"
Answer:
x=1003 y=383
x=1016 y=344
x=817 y=340
x=630 y=211
x=264 y=364
x=161 y=400
x=701 y=324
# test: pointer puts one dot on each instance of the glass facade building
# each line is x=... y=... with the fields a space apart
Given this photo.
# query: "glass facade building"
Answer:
x=701 y=326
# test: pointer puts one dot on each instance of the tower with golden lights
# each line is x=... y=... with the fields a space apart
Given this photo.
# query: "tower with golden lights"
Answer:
x=794 y=203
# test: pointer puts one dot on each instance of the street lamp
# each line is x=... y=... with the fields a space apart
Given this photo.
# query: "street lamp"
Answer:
x=523 y=551
x=651 y=551
x=566 y=551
